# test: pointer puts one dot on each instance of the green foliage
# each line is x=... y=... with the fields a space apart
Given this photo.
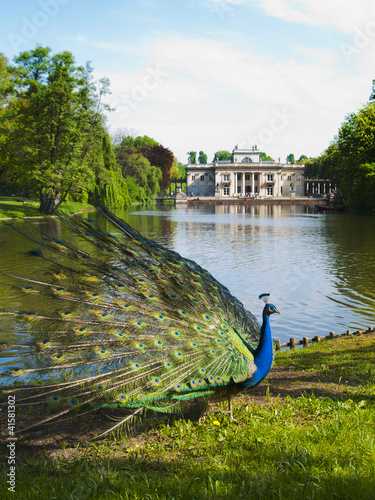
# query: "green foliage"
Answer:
x=192 y=157
x=133 y=154
x=223 y=156
x=136 y=192
x=349 y=160
x=290 y=158
x=181 y=170
x=202 y=158
x=129 y=142
x=162 y=158
x=265 y=157
x=302 y=159
x=5 y=81
x=51 y=125
x=113 y=191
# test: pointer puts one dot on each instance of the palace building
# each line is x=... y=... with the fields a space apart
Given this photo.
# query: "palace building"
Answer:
x=246 y=175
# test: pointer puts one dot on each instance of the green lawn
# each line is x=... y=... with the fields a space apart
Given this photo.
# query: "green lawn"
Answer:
x=307 y=432
x=11 y=207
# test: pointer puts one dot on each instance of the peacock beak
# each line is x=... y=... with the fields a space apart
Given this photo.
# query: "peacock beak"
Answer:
x=277 y=311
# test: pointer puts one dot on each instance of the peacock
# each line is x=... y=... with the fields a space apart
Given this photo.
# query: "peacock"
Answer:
x=134 y=327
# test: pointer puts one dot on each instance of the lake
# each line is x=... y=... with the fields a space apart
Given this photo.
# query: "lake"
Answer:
x=318 y=267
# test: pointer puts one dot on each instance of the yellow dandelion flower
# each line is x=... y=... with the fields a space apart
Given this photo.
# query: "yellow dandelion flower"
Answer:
x=350 y=401
x=216 y=422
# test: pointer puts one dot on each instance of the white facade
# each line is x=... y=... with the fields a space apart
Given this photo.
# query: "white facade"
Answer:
x=245 y=175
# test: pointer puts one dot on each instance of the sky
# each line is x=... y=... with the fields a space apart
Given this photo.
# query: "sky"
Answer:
x=208 y=75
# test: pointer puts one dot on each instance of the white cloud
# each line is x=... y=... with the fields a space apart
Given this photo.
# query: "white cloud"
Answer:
x=344 y=15
x=204 y=95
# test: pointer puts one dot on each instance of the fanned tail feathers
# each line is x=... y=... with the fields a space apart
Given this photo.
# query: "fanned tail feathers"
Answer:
x=134 y=326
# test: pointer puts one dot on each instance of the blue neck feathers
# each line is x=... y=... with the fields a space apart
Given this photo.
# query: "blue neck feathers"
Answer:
x=263 y=354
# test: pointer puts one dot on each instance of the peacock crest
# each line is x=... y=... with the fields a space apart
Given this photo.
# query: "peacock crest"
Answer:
x=134 y=326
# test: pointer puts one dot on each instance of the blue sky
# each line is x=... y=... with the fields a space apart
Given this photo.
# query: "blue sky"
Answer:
x=211 y=74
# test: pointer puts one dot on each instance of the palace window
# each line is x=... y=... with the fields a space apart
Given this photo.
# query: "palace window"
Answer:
x=226 y=177
x=201 y=178
x=226 y=190
x=193 y=177
x=269 y=190
x=255 y=177
x=247 y=177
x=239 y=177
x=210 y=177
x=239 y=189
x=269 y=177
x=289 y=178
x=298 y=177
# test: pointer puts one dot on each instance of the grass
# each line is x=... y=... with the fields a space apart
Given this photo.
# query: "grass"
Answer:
x=308 y=432
x=12 y=207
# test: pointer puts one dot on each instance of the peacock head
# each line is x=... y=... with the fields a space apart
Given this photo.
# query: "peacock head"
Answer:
x=268 y=308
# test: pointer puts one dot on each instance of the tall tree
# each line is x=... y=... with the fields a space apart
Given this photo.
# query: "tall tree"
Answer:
x=290 y=158
x=53 y=123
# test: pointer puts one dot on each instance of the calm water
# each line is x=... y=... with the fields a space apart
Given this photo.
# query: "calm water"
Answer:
x=319 y=268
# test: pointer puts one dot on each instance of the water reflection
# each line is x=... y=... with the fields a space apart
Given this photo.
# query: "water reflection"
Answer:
x=319 y=268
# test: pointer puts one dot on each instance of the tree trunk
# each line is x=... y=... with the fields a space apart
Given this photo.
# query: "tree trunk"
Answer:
x=47 y=204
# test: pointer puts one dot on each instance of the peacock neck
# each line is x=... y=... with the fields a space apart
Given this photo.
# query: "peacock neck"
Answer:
x=263 y=354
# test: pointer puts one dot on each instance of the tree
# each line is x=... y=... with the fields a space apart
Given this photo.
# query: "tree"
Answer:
x=265 y=157
x=349 y=160
x=181 y=170
x=223 y=156
x=202 y=158
x=145 y=174
x=160 y=157
x=290 y=158
x=192 y=157
x=53 y=122
x=302 y=159
x=156 y=154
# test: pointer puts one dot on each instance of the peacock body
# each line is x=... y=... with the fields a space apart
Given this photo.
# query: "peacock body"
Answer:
x=135 y=327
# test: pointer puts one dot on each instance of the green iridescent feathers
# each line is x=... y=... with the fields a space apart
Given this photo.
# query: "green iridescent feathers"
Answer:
x=134 y=324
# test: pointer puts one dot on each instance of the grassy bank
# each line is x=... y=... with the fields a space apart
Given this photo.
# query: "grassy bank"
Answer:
x=307 y=432
x=12 y=207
